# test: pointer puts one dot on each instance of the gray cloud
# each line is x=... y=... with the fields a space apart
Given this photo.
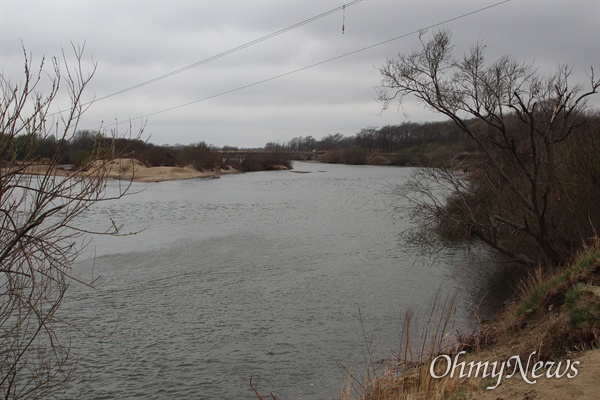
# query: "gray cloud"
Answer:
x=135 y=41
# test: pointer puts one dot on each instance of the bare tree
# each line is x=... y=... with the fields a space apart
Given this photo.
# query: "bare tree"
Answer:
x=39 y=207
x=512 y=195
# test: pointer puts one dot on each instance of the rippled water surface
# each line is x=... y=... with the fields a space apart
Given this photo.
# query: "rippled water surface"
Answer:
x=262 y=275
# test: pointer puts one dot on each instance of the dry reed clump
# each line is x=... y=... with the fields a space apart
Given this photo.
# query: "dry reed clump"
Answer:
x=414 y=385
x=556 y=314
x=407 y=375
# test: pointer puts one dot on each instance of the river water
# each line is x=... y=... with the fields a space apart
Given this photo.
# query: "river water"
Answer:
x=269 y=275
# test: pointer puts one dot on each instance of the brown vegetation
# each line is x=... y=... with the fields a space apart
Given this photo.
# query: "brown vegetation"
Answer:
x=555 y=317
x=528 y=195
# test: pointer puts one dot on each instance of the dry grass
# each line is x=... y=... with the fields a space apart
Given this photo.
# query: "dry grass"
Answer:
x=557 y=315
x=558 y=311
x=406 y=375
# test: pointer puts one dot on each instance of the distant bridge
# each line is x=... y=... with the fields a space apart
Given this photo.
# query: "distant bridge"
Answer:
x=236 y=156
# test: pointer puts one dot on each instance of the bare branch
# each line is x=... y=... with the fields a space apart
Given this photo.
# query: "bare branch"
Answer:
x=38 y=239
x=517 y=118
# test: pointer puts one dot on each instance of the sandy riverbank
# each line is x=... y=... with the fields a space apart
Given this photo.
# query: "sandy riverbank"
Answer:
x=131 y=169
x=583 y=386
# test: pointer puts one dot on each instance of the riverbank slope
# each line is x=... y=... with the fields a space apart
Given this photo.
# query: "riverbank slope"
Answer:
x=552 y=328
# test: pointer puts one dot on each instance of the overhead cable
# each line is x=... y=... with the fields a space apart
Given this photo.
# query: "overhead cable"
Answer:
x=230 y=51
x=322 y=62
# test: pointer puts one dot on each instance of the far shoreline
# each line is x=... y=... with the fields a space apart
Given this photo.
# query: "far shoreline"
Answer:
x=130 y=169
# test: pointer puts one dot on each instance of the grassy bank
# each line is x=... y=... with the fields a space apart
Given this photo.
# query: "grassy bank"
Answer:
x=554 y=319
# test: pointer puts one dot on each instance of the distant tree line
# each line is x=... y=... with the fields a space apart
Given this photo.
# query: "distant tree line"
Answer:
x=77 y=150
x=409 y=143
x=405 y=144
x=386 y=139
x=85 y=145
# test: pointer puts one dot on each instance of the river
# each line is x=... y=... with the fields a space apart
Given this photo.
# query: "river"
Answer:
x=269 y=275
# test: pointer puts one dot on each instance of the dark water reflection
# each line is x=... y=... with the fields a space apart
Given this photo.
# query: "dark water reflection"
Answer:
x=260 y=274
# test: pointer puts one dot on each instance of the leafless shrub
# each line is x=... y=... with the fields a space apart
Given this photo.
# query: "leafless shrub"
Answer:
x=520 y=192
x=39 y=235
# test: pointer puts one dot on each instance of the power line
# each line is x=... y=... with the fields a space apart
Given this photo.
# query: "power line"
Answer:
x=230 y=51
x=321 y=62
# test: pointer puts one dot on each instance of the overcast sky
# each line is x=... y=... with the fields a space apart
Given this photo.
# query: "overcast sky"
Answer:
x=136 y=41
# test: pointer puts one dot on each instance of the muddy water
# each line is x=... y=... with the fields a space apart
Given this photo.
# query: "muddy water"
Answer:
x=269 y=275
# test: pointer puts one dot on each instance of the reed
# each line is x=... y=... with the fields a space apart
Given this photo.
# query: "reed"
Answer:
x=407 y=374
